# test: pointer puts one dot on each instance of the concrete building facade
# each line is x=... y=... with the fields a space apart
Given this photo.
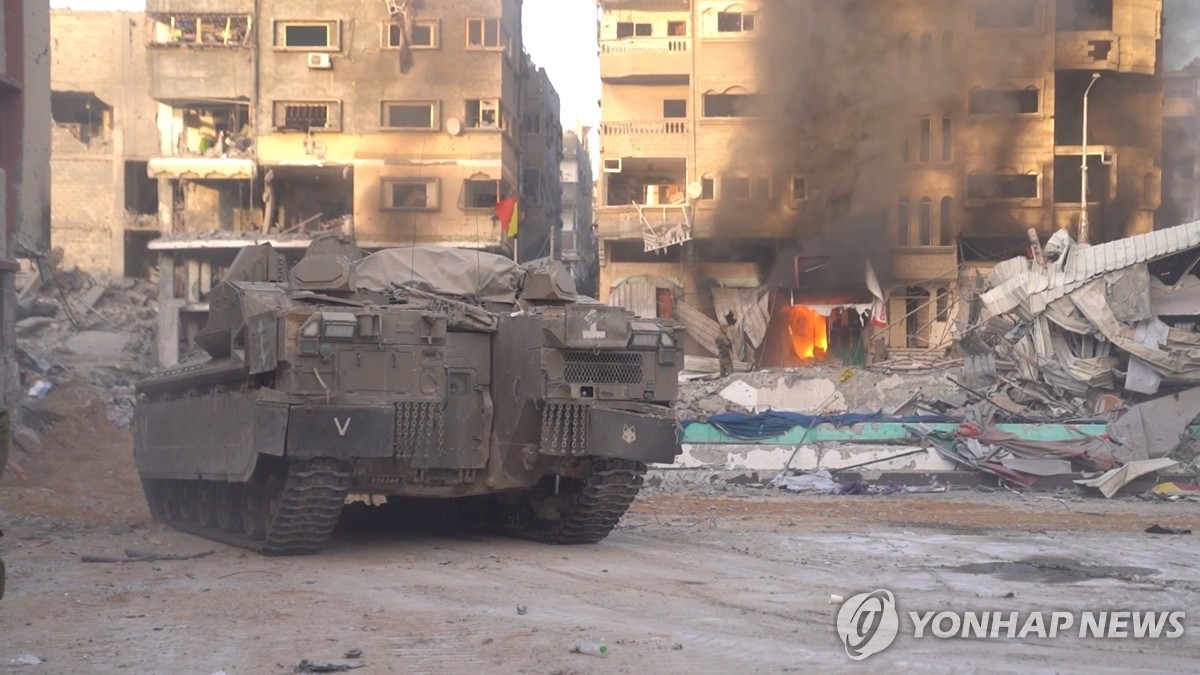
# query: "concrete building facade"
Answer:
x=541 y=154
x=577 y=243
x=968 y=117
x=395 y=122
x=24 y=162
x=104 y=209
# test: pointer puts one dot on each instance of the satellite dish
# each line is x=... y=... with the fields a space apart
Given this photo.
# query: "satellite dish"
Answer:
x=453 y=126
x=694 y=190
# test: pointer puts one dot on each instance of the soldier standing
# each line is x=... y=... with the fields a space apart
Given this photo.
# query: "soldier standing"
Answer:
x=725 y=351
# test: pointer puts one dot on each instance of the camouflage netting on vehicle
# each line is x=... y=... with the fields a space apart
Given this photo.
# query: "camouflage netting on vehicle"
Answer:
x=472 y=275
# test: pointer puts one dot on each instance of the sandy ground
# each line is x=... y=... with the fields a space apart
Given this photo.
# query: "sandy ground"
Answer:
x=700 y=580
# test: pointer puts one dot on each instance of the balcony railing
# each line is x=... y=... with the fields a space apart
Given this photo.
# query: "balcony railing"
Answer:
x=651 y=126
x=636 y=45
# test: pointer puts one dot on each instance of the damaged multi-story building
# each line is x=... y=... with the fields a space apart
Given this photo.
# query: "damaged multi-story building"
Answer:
x=540 y=210
x=577 y=241
x=757 y=155
x=105 y=205
x=394 y=122
x=24 y=163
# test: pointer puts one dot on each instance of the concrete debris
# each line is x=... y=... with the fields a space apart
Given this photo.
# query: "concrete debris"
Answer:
x=1111 y=482
x=106 y=338
x=27 y=439
x=26 y=660
x=818 y=481
x=823 y=388
x=1092 y=321
x=1160 y=529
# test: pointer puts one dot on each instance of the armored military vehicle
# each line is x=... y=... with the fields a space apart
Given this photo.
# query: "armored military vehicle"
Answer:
x=421 y=372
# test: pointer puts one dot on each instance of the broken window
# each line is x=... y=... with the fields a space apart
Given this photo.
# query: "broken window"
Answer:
x=141 y=191
x=1084 y=15
x=409 y=115
x=947 y=223
x=484 y=34
x=531 y=186
x=1001 y=14
x=729 y=105
x=82 y=113
x=674 y=108
x=410 y=194
x=1099 y=50
x=762 y=188
x=480 y=193
x=925 y=222
x=424 y=35
x=902 y=224
x=643 y=30
x=926 y=153
x=799 y=189
x=624 y=29
x=307 y=116
x=1179 y=89
x=677 y=28
x=916 y=325
x=735 y=22
x=735 y=187
x=947 y=139
x=1068 y=179
x=927 y=53
x=903 y=54
x=319 y=35
x=1004 y=102
x=483 y=113
x=943 y=304
x=207 y=30
x=708 y=188
x=215 y=130
x=1002 y=186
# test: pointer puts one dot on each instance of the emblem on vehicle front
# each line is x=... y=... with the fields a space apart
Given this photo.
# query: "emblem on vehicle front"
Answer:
x=629 y=435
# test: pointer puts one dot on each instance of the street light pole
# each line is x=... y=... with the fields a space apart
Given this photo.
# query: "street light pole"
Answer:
x=1083 y=188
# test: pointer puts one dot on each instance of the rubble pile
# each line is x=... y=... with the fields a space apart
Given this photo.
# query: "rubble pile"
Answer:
x=1078 y=331
x=74 y=327
x=823 y=388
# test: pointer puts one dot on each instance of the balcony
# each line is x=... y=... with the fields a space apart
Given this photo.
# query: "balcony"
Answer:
x=913 y=263
x=634 y=138
x=646 y=60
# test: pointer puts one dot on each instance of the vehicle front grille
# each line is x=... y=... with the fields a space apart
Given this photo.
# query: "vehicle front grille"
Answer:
x=603 y=367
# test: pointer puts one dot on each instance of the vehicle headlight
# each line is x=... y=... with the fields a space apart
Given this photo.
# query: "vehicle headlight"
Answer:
x=644 y=340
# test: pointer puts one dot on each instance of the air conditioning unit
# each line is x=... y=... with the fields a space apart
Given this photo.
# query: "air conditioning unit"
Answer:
x=612 y=165
x=319 y=60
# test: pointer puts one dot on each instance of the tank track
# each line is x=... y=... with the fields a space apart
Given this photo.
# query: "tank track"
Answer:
x=589 y=512
x=313 y=495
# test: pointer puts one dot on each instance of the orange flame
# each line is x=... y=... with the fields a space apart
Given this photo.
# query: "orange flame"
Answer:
x=810 y=337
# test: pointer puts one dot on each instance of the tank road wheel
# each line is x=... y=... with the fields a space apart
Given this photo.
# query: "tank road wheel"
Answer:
x=189 y=501
x=228 y=506
x=154 y=498
x=583 y=511
x=260 y=502
x=206 y=502
x=172 y=498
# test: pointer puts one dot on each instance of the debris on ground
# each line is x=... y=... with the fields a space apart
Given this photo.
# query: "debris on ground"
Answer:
x=307 y=666
x=94 y=330
x=353 y=654
x=593 y=648
x=26 y=660
x=1090 y=328
x=142 y=556
x=1160 y=529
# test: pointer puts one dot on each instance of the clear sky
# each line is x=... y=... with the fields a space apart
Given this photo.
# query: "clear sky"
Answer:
x=559 y=34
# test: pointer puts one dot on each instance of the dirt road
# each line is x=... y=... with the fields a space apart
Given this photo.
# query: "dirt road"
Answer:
x=691 y=582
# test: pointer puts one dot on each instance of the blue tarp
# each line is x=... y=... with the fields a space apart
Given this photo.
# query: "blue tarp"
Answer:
x=771 y=423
